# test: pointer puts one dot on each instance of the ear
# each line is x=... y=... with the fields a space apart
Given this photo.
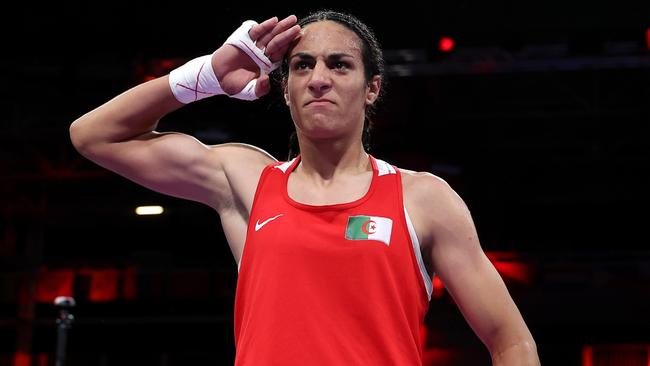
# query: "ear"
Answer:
x=374 y=86
x=285 y=92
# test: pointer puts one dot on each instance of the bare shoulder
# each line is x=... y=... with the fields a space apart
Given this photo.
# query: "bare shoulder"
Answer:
x=417 y=180
x=426 y=188
x=431 y=202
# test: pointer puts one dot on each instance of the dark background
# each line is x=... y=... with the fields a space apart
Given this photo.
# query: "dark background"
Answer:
x=538 y=119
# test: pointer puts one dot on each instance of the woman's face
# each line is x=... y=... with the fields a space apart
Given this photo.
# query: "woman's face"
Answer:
x=326 y=89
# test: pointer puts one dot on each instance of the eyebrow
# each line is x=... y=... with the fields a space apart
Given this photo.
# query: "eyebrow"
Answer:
x=334 y=56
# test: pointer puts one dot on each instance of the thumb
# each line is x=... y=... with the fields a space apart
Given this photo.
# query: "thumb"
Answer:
x=263 y=85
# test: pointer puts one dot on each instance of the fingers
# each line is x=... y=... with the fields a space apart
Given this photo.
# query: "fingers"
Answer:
x=278 y=28
x=278 y=46
x=263 y=28
x=263 y=85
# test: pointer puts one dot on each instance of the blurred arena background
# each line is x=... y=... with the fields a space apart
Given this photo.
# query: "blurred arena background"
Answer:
x=537 y=114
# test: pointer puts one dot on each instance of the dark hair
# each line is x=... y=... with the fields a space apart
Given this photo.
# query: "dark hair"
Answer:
x=373 y=63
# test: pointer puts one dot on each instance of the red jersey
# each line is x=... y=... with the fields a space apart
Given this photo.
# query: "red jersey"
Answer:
x=340 y=284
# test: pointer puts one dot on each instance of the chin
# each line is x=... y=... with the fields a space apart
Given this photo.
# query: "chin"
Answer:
x=321 y=133
x=318 y=121
x=324 y=125
x=321 y=129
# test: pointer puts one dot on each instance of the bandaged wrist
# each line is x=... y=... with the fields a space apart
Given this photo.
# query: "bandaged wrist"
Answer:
x=194 y=80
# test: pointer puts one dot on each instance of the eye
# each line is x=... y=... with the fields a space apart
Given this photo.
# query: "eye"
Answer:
x=341 y=65
x=300 y=65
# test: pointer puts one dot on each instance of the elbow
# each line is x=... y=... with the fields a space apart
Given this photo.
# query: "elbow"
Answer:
x=79 y=137
x=520 y=352
x=76 y=136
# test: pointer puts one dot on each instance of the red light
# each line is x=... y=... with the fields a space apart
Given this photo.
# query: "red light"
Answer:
x=438 y=288
x=587 y=356
x=647 y=38
x=446 y=44
x=53 y=283
x=511 y=267
x=22 y=358
x=103 y=284
x=519 y=272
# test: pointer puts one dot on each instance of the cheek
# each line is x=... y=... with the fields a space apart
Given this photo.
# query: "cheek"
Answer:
x=356 y=94
x=291 y=89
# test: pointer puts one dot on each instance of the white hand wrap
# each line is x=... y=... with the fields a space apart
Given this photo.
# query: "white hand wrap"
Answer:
x=196 y=79
x=242 y=40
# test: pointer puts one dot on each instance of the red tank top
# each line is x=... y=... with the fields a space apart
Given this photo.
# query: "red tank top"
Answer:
x=340 y=284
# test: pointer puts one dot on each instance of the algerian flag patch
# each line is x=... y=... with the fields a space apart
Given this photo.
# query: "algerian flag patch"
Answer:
x=369 y=228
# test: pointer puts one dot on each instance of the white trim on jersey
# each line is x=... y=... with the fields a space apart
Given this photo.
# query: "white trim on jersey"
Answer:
x=285 y=166
x=418 y=255
x=384 y=168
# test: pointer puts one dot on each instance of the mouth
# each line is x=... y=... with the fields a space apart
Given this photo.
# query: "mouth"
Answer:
x=316 y=102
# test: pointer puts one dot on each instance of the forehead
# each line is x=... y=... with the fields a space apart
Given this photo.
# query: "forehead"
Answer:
x=327 y=36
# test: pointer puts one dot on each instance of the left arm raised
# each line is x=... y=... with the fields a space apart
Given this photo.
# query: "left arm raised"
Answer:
x=469 y=276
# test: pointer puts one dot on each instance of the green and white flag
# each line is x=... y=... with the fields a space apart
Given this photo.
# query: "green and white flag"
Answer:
x=369 y=228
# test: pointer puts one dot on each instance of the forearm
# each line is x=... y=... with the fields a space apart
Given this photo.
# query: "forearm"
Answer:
x=520 y=353
x=126 y=116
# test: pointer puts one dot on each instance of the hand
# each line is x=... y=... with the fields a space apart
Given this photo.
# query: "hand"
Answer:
x=235 y=69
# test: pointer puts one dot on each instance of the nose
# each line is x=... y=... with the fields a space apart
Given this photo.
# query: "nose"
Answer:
x=320 y=80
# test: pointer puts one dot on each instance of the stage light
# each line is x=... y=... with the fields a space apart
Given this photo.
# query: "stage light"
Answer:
x=149 y=210
x=446 y=44
x=438 y=288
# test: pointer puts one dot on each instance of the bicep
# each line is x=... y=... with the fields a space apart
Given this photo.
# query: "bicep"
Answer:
x=170 y=163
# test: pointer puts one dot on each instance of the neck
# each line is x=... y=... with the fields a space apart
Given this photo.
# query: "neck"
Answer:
x=326 y=159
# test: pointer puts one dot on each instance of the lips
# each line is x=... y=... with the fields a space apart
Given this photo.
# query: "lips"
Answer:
x=320 y=101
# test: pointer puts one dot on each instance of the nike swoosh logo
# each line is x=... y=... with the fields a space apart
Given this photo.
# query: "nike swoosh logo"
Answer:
x=259 y=225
